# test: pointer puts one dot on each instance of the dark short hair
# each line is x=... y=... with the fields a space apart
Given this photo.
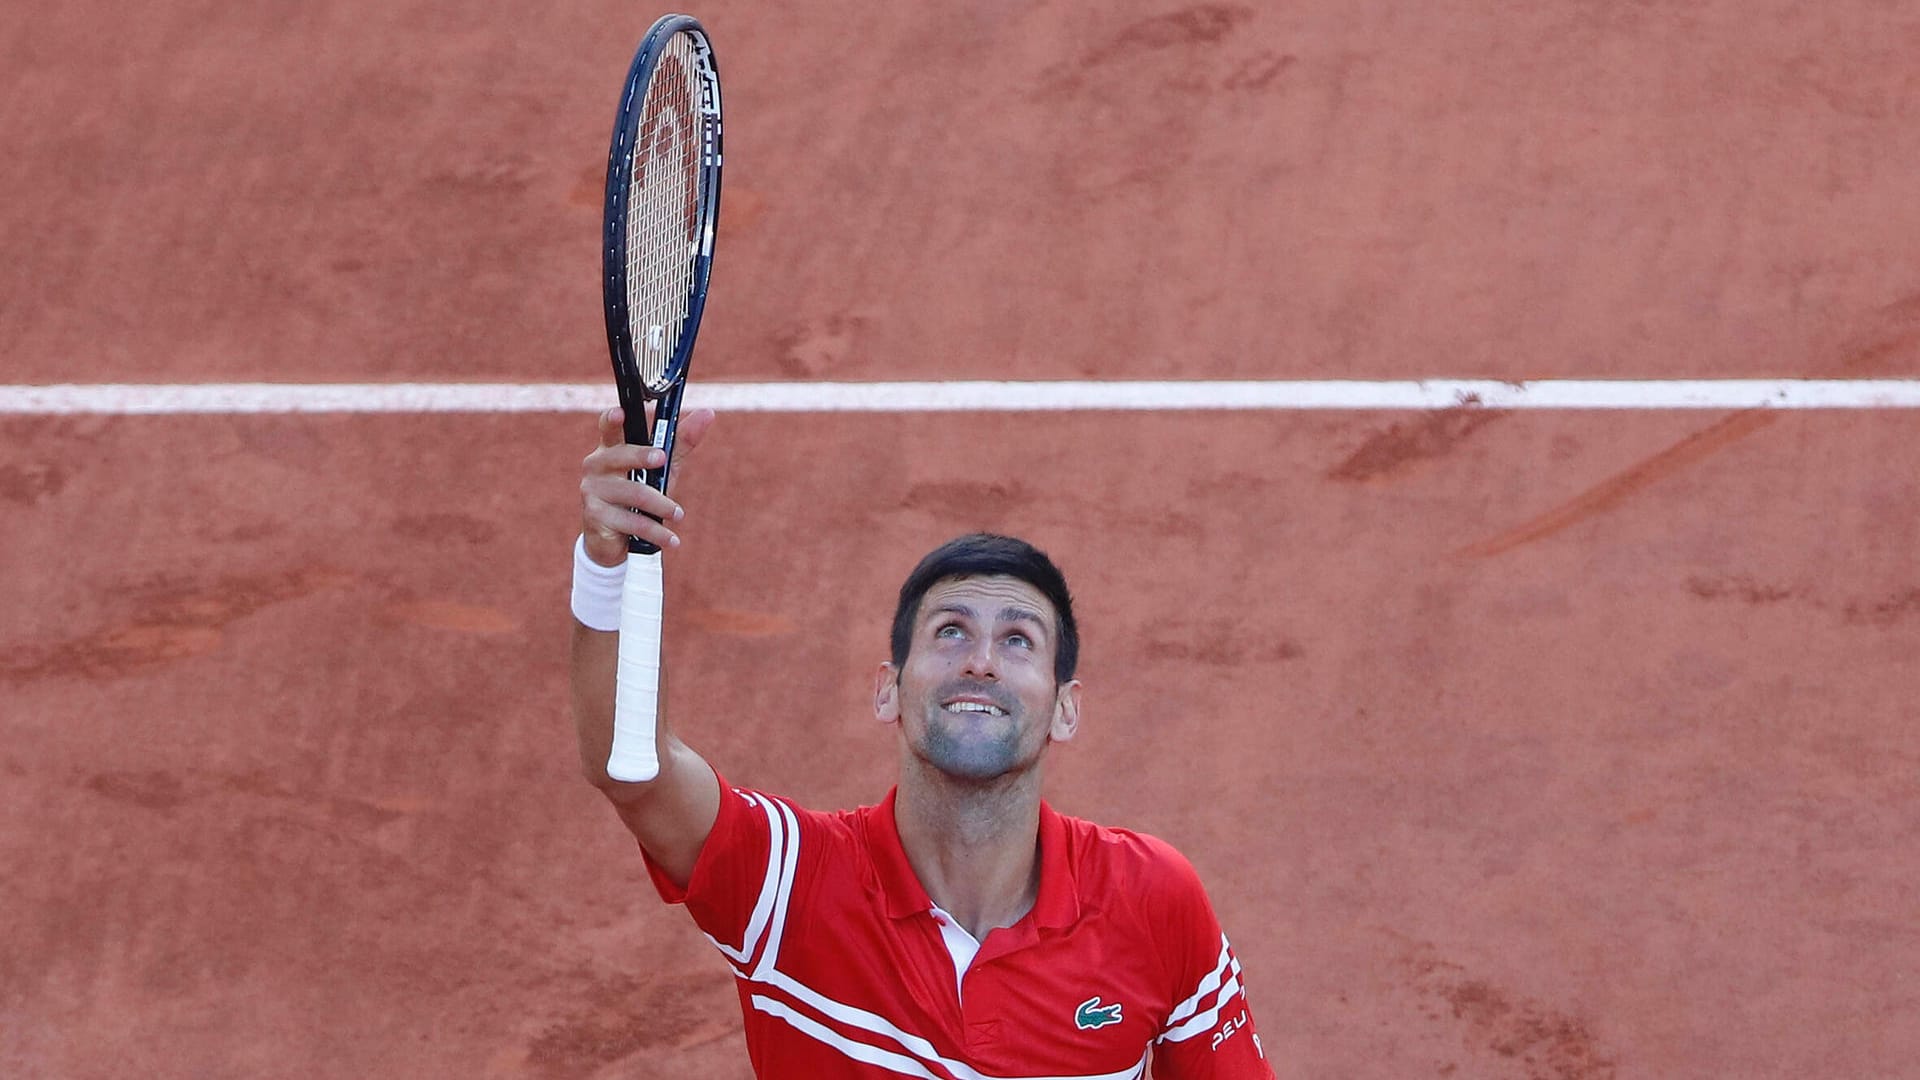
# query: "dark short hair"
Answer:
x=989 y=555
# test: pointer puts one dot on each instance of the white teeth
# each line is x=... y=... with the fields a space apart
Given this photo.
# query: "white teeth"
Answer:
x=975 y=706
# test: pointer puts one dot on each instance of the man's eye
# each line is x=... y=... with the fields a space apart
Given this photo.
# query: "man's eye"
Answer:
x=948 y=631
x=1020 y=640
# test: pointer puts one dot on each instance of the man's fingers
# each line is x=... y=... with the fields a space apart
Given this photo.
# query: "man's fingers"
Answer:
x=614 y=455
x=613 y=430
x=614 y=505
x=613 y=423
x=613 y=521
x=622 y=458
x=694 y=426
x=622 y=493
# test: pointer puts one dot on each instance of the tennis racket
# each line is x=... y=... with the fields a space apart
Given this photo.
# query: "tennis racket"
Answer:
x=663 y=202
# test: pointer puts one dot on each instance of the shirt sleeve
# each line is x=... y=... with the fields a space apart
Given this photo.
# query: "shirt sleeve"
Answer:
x=736 y=878
x=1209 y=1034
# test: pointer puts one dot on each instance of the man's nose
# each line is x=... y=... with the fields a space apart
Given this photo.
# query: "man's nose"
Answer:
x=980 y=660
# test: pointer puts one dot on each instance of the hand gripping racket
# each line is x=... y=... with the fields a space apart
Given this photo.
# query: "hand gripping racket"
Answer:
x=663 y=202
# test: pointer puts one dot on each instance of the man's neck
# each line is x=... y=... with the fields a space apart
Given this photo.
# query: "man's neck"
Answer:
x=974 y=849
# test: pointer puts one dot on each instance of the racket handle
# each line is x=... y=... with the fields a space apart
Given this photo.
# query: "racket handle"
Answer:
x=636 y=700
x=666 y=429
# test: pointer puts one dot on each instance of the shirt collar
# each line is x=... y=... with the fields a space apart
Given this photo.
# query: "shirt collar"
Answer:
x=1056 y=907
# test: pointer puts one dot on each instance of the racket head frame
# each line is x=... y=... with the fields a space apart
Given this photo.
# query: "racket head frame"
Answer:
x=628 y=121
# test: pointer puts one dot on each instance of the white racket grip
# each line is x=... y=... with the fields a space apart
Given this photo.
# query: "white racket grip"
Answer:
x=636 y=696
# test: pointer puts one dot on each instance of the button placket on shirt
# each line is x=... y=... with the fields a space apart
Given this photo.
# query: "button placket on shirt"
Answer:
x=982 y=1030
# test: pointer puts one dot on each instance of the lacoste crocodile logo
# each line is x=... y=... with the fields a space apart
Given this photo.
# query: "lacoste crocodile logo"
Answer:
x=1091 y=1014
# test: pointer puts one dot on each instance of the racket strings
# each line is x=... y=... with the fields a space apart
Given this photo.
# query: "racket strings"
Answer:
x=663 y=199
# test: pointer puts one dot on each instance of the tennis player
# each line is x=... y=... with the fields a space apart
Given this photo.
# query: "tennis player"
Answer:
x=960 y=928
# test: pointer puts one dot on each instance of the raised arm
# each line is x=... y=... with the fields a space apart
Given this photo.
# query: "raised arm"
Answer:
x=671 y=814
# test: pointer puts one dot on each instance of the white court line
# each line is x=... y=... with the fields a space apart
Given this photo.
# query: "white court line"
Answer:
x=216 y=398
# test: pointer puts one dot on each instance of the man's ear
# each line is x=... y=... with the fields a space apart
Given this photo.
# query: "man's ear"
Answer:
x=886 y=695
x=1066 y=712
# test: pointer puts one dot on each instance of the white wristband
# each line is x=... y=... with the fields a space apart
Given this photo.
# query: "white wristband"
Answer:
x=596 y=590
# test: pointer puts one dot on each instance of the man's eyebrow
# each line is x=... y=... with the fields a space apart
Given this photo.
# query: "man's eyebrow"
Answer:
x=1020 y=614
x=1010 y=613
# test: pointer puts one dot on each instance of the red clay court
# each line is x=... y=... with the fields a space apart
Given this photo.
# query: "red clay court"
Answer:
x=1561 y=744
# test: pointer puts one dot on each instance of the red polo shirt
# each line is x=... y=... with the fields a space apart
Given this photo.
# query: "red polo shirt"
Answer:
x=845 y=968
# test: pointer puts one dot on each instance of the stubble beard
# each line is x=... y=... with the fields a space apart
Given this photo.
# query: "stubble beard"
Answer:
x=971 y=750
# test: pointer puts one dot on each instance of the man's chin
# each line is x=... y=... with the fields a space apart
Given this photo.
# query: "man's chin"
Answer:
x=974 y=775
x=970 y=764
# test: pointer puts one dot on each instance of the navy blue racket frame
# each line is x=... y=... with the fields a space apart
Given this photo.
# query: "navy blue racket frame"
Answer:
x=634 y=393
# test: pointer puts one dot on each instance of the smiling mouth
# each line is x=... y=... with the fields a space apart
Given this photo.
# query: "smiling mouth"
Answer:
x=974 y=707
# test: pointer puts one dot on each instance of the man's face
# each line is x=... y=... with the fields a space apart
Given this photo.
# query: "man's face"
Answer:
x=977 y=698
